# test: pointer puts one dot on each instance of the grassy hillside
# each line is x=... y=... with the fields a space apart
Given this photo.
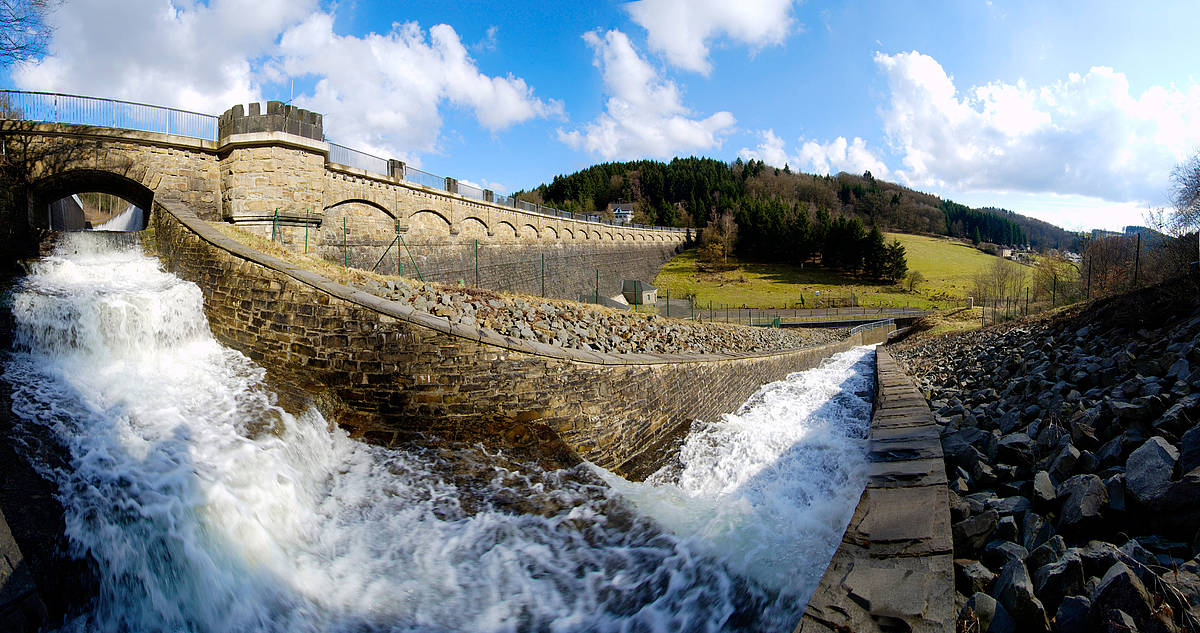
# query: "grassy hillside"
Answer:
x=948 y=266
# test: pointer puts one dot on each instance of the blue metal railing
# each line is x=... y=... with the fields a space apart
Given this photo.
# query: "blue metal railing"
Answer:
x=343 y=155
x=52 y=107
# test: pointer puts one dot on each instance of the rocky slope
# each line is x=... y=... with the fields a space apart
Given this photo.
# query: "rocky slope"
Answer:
x=584 y=326
x=1074 y=464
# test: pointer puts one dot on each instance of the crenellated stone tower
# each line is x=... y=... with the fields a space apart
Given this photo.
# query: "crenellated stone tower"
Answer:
x=271 y=162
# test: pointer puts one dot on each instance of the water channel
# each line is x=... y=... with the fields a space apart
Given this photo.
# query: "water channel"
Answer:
x=205 y=507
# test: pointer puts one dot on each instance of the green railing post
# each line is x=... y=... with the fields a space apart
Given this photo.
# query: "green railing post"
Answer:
x=275 y=226
x=476 y=263
x=668 y=302
x=543 y=275
x=710 y=310
x=345 y=251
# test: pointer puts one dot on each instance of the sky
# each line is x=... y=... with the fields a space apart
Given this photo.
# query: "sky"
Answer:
x=1074 y=112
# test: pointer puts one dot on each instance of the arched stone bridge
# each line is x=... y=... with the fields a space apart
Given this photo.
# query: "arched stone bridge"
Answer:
x=272 y=173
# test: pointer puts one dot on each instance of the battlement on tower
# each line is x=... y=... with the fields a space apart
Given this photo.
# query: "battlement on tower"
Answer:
x=277 y=118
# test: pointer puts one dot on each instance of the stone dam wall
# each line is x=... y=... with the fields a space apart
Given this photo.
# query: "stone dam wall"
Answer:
x=387 y=373
x=894 y=568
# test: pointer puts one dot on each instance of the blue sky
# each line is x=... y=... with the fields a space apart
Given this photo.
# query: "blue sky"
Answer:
x=1073 y=112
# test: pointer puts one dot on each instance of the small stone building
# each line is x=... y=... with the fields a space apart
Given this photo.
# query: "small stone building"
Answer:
x=639 y=292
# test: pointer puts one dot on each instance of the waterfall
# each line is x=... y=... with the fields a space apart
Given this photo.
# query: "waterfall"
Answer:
x=208 y=508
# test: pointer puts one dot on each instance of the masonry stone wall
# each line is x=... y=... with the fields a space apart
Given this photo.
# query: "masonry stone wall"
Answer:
x=388 y=373
x=71 y=157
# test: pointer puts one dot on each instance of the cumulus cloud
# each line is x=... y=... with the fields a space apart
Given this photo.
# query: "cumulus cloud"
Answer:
x=182 y=53
x=644 y=114
x=383 y=91
x=380 y=92
x=1087 y=135
x=835 y=156
x=682 y=29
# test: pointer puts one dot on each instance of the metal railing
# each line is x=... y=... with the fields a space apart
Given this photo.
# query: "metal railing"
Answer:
x=412 y=174
x=872 y=325
x=343 y=155
x=53 y=107
x=470 y=191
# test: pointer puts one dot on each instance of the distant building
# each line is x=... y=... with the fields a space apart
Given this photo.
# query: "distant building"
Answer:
x=639 y=292
x=622 y=212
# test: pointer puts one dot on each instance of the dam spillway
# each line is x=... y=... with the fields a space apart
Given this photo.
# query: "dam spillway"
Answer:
x=206 y=507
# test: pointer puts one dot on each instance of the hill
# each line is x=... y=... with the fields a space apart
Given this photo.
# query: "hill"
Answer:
x=764 y=199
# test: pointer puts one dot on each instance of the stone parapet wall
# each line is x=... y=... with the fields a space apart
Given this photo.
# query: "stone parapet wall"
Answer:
x=388 y=373
x=894 y=569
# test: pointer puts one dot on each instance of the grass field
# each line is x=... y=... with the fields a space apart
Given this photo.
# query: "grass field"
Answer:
x=947 y=265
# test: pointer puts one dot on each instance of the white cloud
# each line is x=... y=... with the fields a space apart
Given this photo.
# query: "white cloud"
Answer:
x=1087 y=135
x=383 y=92
x=820 y=158
x=182 y=53
x=682 y=29
x=644 y=114
x=379 y=93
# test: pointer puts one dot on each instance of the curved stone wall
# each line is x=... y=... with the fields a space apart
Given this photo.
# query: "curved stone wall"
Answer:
x=387 y=372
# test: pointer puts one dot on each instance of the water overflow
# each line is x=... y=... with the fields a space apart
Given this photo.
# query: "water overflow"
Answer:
x=208 y=508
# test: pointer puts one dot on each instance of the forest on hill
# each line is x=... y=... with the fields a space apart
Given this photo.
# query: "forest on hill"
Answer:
x=779 y=211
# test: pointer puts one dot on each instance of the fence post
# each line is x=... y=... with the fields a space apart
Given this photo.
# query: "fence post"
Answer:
x=1137 y=258
x=543 y=275
x=597 y=286
x=1026 y=301
x=345 y=252
x=476 y=263
x=710 y=310
x=668 y=302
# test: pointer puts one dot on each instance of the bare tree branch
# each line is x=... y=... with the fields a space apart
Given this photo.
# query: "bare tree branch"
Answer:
x=23 y=30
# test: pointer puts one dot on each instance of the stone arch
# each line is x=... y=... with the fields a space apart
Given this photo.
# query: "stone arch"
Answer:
x=369 y=203
x=551 y=232
x=505 y=230
x=609 y=235
x=570 y=234
x=594 y=235
x=472 y=228
x=69 y=183
x=357 y=232
x=428 y=225
x=529 y=231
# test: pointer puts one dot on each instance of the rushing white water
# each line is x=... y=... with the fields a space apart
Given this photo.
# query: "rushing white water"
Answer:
x=770 y=489
x=128 y=220
x=207 y=508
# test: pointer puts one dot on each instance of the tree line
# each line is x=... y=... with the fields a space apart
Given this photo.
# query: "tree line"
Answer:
x=783 y=215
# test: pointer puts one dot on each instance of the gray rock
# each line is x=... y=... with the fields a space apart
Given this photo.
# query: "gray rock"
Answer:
x=1072 y=615
x=997 y=554
x=1121 y=590
x=1054 y=581
x=1043 y=490
x=1148 y=469
x=1064 y=462
x=1115 y=485
x=1083 y=499
x=1035 y=530
x=973 y=533
x=986 y=615
x=971 y=576
x=1015 y=448
x=1006 y=529
x=1047 y=553
x=1017 y=505
x=1014 y=591
x=1189 y=455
